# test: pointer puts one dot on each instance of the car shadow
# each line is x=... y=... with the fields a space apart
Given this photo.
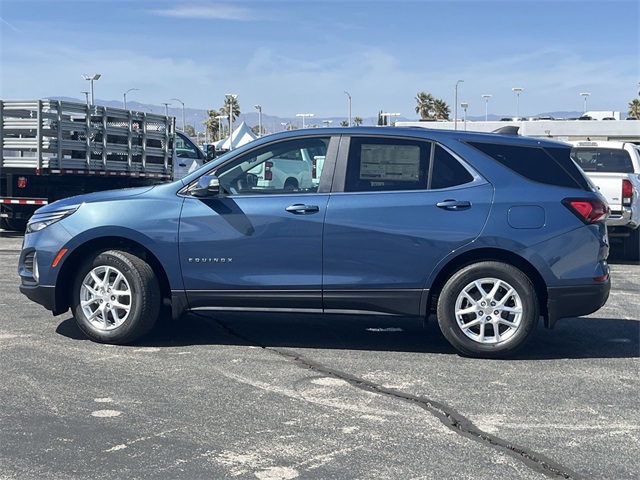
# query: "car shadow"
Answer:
x=572 y=338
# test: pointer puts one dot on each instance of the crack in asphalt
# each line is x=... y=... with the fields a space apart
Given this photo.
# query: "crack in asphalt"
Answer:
x=447 y=415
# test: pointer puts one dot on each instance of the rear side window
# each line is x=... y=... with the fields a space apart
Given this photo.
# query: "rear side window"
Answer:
x=534 y=163
x=386 y=164
x=595 y=159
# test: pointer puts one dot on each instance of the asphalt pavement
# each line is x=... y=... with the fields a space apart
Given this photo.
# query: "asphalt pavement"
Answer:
x=276 y=397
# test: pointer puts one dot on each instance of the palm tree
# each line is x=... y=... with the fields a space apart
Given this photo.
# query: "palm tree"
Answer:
x=230 y=105
x=212 y=124
x=344 y=123
x=357 y=121
x=441 y=110
x=425 y=105
x=634 y=108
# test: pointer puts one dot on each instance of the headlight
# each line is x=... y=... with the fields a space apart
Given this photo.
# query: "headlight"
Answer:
x=42 y=220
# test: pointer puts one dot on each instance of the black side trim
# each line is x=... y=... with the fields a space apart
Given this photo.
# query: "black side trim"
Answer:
x=566 y=302
x=395 y=302
x=255 y=299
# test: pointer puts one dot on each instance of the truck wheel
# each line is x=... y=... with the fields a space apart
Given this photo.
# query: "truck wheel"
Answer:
x=13 y=224
x=488 y=309
x=116 y=297
x=631 y=246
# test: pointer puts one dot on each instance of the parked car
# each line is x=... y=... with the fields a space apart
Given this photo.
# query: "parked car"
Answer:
x=614 y=167
x=487 y=231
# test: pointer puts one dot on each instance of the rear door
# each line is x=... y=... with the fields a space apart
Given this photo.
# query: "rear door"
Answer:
x=405 y=205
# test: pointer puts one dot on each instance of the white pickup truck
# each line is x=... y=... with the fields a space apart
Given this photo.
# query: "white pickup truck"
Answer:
x=614 y=167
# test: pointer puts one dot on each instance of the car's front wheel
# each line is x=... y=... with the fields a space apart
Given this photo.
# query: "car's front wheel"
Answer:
x=116 y=297
x=488 y=309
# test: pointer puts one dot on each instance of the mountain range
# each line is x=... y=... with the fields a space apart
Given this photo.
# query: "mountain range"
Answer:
x=271 y=123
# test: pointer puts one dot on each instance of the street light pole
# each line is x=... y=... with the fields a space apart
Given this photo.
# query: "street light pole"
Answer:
x=464 y=106
x=486 y=97
x=517 y=90
x=585 y=95
x=220 y=117
x=86 y=96
x=124 y=102
x=166 y=109
x=304 y=115
x=91 y=78
x=183 y=121
x=347 y=93
x=455 y=106
x=259 y=108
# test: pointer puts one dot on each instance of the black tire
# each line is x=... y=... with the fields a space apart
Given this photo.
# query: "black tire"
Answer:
x=290 y=185
x=13 y=224
x=631 y=246
x=122 y=308
x=484 y=322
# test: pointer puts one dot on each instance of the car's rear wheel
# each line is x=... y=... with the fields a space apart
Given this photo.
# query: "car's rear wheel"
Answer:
x=488 y=309
x=116 y=297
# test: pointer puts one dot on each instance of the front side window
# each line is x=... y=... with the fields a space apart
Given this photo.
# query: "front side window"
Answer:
x=387 y=164
x=184 y=149
x=286 y=167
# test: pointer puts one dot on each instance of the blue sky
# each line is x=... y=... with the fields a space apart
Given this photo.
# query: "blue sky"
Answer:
x=300 y=56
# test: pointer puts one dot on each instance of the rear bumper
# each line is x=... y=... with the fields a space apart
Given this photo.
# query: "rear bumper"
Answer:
x=574 y=301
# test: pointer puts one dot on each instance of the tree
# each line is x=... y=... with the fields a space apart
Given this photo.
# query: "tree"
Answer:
x=634 y=108
x=212 y=124
x=230 y=105
x=425 y=105
x=256 y=129
x=357 y=121
x=190 y=130
x=344 y=123
x=441 y=110
x=382 y=120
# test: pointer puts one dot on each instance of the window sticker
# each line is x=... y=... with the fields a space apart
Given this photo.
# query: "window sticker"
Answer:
x=390 y=162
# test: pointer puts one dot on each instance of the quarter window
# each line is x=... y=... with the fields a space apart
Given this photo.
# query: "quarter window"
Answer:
x=533 y=163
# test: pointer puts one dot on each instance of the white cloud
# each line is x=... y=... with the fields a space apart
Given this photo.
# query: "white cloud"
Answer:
x=208 y=12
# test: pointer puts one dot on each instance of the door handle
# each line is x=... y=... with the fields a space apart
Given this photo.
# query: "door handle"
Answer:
x=454 y=204
x=301 y=209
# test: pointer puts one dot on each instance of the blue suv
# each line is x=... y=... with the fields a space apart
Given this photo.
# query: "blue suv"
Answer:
x=488 y=231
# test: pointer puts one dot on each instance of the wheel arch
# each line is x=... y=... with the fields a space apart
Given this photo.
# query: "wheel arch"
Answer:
x=488 y=254
x=73 y=263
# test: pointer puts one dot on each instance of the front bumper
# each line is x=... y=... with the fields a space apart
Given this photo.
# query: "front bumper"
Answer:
x=574 y=301
x=44 y=295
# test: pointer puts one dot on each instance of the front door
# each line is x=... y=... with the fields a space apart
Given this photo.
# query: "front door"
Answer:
x=254 y=246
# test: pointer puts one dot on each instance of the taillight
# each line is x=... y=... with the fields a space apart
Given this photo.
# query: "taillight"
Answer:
x=627 y=192
x=268 y=174
x=587 y=209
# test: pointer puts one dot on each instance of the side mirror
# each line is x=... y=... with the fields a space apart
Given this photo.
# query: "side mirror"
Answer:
x=207 y=186
x=211 y=153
